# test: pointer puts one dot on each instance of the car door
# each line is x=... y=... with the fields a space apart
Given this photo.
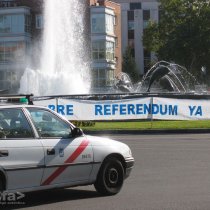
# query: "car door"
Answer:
x=21 y=154
x=67 y=159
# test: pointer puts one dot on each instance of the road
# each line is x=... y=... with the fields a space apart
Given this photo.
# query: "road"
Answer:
x=172 y=172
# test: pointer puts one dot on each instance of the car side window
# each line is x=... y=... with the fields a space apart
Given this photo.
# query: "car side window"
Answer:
x=13 y=124
x=49 y=125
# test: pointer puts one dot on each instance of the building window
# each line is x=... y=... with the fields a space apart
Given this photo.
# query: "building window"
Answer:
x=8 y=3
x=39 y=21
x=131 y=43
x=131 y=15
x=103 y=50
x=98 y=23
x=110 y=22
x=5 y=24
x=98 y=50
x=146 y=14
x=28 y=23
x=102 y=78
x=109 y=77
x=99 y=79
x=134 y=6
x=101 y=23
x=110 y=51
x=15 y=23
x=146 y=17
x=12 y=52
x=7 y=79
x=130 y=25
x=133 y=52
x=130 y=34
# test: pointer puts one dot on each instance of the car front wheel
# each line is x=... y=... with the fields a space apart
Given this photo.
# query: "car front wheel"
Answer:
x=1 y=185
x=110 y=178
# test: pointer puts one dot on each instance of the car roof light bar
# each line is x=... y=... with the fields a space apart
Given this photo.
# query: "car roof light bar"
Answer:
x=16 y=99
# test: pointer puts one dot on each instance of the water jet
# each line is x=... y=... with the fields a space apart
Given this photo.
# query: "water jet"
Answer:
x=64 y=65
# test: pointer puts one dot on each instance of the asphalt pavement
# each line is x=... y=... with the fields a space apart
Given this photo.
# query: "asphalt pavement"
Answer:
x=171 y=172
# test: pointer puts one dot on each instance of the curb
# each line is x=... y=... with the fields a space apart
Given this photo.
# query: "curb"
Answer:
x=150 y=132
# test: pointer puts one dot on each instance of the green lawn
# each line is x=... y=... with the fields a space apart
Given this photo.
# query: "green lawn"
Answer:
x=148 y=125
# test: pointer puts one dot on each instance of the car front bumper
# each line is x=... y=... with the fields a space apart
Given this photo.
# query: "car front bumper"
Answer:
x=129 y=163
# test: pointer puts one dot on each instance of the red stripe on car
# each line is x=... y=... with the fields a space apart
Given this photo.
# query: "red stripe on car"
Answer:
x=71 y=159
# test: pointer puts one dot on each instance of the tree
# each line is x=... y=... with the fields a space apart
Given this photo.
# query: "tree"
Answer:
x=182 y=34
x=129 y=65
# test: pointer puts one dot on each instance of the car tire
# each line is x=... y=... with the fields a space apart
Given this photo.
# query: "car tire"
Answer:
x=110 y=178
x=1 y=185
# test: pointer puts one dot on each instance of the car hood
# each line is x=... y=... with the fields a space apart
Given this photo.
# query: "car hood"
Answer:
x=106 y=145
x=107 y=142
x=95 y=140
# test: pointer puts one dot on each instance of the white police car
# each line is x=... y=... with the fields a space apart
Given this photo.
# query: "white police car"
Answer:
x=40 y=149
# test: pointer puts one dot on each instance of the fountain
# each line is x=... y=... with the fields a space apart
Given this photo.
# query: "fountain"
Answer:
x=64 y=68
x=167 y=92
x=162 y=77
x=171 y=77
x=123 y=83
x=64 y=65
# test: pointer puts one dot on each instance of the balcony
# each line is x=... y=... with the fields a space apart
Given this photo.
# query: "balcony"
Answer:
x=34 y=4
x=4 y=4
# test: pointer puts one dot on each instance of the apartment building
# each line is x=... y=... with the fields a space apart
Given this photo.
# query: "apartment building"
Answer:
x=21 y=27
x=135 y=15
x=20 y=23
x=105 y=23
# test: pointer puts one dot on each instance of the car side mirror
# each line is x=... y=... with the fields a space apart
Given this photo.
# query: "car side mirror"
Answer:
x=76 y=132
